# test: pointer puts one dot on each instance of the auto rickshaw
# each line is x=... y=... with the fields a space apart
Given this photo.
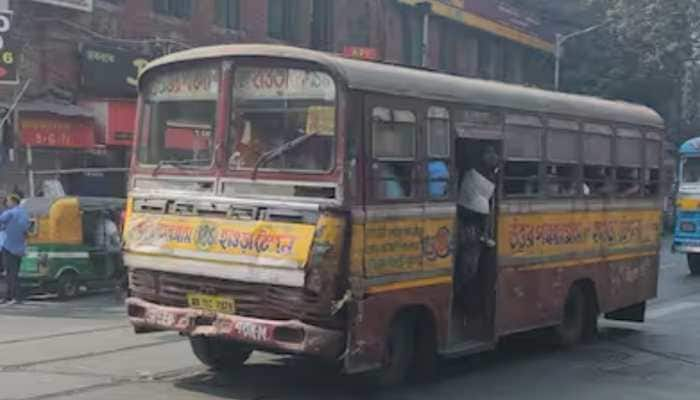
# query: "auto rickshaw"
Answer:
x=73 y=243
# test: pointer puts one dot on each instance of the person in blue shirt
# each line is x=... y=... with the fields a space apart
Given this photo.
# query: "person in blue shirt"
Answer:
x=15 y=222
x=439 y=176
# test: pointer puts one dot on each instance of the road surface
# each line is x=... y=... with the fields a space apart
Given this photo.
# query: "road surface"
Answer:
x=85 y=350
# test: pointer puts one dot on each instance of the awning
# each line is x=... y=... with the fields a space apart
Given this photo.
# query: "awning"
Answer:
x=492 y=17
x=53 y=107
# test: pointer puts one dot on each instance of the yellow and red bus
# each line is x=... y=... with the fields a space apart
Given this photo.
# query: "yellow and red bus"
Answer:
x=286 y=200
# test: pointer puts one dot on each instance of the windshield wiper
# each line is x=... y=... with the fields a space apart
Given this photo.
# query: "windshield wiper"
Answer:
x=279 y=151
x=181 y=164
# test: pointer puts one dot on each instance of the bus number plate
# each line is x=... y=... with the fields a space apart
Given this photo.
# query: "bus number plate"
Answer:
x=220 y=304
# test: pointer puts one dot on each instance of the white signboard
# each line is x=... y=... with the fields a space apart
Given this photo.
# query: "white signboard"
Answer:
x=187 y=85
x=282 y=83
x=82 y=5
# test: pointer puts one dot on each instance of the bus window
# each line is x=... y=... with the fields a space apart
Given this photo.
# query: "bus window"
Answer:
x=283 y=119
x=180 y=118
x=438 y=124
x=653 y=182
x=394 y=150
x=561 y=180
x=628 y=182
x=521 y=178
x=598 y=181
x=691 y=170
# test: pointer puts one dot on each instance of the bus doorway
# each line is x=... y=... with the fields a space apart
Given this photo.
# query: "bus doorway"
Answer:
x=475 y=270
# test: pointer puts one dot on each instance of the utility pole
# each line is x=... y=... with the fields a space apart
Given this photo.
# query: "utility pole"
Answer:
x=425 y=8
x=559 y=48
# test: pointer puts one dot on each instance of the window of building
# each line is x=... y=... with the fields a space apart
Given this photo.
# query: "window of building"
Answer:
x=412 y=29
x=282 y=20
x=514 y=63
x=228 y=13
x=394 y=151
x=173 y=8
x=439 y=152
x=448 y=47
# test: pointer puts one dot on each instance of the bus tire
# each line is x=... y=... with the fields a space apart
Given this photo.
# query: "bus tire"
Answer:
x=399 y=353
x=694 y=263
x=68 y=286
x=219 y=354
x=572 y=328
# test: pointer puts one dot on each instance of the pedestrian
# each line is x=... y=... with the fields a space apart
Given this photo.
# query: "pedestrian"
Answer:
x=15 y=221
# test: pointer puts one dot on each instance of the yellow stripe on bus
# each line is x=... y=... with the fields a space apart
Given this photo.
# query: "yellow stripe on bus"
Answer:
x=391 y=287
x=586 y=261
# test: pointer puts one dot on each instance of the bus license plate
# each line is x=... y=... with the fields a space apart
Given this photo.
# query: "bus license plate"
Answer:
x=220 y=304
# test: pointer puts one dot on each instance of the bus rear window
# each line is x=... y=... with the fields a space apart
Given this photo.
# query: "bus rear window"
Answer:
x=179 y=118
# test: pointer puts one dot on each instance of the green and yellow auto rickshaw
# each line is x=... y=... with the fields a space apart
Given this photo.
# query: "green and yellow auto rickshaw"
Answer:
x=73 y=243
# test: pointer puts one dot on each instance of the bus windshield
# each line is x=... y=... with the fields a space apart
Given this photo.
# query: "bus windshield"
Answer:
x=179 y=117
x=283 y=119
x=691 y=170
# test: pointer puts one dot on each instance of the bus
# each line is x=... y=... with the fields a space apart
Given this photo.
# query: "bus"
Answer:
x=686 y=238
x=286 y=200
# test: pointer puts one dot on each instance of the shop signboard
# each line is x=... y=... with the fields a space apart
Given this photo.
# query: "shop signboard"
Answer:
x=47 y=130
x=8 y=54
x=109 y=72
x=81 y=5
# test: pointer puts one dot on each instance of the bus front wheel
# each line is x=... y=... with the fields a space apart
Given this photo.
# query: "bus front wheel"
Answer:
x=219 y=354
x=694 y=263
x=399 y=352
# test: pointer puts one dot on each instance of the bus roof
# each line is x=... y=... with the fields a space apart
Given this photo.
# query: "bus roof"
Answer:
x=411 y=82
x=692 y=146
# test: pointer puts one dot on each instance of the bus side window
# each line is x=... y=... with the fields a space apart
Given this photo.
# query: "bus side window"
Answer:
x=561 y=180
x=394 y=151
x=438 y=128
x=521 y=178
x=628 y=182
x=653 y=182
x=598 y=181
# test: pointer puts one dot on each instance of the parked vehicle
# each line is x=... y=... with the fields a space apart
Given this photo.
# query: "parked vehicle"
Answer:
x=687 y=231
x=292 y=201
x=72 y=245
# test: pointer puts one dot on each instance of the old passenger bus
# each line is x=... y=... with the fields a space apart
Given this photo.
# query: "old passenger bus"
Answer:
x=293 y=201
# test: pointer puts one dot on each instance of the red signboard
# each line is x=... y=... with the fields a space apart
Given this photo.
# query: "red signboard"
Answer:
x=121 y=122
x=46 y=130
x=177 y=138
x=363 y=53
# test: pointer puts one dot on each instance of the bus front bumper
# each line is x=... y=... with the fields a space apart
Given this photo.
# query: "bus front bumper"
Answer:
x=277 y=336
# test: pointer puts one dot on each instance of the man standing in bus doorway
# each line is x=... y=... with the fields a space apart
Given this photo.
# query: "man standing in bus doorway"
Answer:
x=15 y=222
x=477 y=187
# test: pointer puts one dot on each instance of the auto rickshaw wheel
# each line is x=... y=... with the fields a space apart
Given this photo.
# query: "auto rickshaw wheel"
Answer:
x=694 y=263
x=219 y=354
x=68 y=286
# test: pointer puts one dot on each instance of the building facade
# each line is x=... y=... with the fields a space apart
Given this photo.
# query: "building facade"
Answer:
x=75 y=63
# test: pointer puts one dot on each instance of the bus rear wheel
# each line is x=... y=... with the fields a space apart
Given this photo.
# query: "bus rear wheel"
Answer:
x=219 y=354
x=694 y=263
x=573 y=327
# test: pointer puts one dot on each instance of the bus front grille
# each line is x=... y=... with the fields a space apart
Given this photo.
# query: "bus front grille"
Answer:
x=252 y=300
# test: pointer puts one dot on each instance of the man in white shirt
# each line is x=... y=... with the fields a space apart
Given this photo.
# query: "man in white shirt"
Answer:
x=476 y=190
